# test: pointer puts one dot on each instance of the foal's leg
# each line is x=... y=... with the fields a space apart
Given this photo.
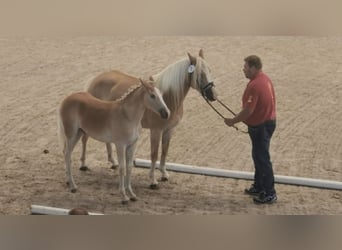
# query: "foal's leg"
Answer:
x=155 y=139
x=110 y=156
x=129 y=161
x=121 y=152
x=165 y=148
x=68 y=148
x=84 y=149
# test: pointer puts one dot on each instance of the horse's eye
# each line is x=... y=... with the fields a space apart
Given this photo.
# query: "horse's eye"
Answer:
x=152 y=96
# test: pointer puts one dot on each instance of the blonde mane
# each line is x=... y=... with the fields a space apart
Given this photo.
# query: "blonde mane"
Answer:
x=172 y=81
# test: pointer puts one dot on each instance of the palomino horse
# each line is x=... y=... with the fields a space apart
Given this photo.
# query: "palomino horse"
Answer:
x=117 y=122
x=174 y=82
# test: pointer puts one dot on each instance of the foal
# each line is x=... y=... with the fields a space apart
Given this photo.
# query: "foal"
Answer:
x=115 y=122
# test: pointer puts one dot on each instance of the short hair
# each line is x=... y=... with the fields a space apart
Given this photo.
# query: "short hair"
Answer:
x=255 y=61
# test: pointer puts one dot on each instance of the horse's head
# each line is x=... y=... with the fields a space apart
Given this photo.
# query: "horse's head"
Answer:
x=154 y=101
x=200 y=76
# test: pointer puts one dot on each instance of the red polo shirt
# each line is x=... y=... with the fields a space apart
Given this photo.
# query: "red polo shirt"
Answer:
x=259 y=97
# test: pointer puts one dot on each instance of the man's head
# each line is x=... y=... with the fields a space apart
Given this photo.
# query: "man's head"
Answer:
x=252 y=67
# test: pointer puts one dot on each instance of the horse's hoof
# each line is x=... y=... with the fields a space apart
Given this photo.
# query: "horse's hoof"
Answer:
x=164 y=179
x=154 y=186
x=133 y=198
x=73 y=190
x=84 y=168
x=114 y=167
x=124 y=202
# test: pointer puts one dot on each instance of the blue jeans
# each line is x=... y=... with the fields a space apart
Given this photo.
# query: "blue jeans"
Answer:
x=261 y=136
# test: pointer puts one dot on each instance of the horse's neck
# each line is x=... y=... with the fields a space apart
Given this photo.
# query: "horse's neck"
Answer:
x=173 y=103
x=133 y=105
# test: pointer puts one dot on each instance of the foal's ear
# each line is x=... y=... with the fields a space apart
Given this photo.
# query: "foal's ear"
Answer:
x=149 y=85
x=201 y=53
x=192 y=59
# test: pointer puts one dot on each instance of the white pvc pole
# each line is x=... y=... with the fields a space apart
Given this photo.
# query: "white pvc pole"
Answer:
x=318 y=183
x=43 y=210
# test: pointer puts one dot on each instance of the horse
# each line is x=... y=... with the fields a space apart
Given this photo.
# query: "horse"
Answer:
x=117 y=122
x=174 y=82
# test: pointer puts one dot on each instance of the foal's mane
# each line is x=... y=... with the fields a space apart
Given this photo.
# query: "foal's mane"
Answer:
x=130 y=90
x=172 y=81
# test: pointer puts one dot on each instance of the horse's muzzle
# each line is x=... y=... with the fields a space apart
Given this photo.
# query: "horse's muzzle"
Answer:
x=207 y=92
x=164 y=114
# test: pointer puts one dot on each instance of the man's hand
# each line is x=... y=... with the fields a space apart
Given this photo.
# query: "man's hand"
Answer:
x=229 y=122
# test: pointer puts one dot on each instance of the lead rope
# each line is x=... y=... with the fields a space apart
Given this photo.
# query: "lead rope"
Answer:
x=237 y=129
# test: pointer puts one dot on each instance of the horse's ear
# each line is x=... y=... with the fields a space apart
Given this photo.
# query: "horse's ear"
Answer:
x=151 y=78
x=201 y=53
x=192 y=59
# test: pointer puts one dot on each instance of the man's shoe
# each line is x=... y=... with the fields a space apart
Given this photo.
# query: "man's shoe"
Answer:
x=265 y=199
x=252 y=190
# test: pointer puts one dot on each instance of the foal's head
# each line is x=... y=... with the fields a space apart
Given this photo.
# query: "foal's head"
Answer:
x=201 y=76
x=153 y=99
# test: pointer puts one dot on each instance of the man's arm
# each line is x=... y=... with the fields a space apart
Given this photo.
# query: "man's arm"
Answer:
x=240 y=117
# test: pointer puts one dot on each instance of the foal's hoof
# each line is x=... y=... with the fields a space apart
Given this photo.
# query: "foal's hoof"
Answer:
x=133 y=198
x=84 y=168
x=164 y=179
x=124 y=202
x=154 y=186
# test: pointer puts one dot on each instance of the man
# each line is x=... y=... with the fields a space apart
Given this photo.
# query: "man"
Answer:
x=259 y=113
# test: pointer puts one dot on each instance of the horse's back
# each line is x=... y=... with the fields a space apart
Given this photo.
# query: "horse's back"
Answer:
x=82 y=103
x=111 y=85
x=83 y=111
x=85 y=102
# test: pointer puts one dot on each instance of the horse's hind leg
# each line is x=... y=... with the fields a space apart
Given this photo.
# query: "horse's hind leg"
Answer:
x=84 y=149
x=165 y=149
x=110 y=156
x=68 y=148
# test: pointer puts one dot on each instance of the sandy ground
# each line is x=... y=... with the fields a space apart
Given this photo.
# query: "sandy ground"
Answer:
x=36 y=74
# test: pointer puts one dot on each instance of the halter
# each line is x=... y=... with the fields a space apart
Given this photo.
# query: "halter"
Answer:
x=205 y=91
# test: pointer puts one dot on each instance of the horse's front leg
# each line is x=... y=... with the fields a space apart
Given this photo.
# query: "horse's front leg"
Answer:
x=121 y=153
x=154 y=139
x=165 y=149
x=110 y=156
x=129 y=161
